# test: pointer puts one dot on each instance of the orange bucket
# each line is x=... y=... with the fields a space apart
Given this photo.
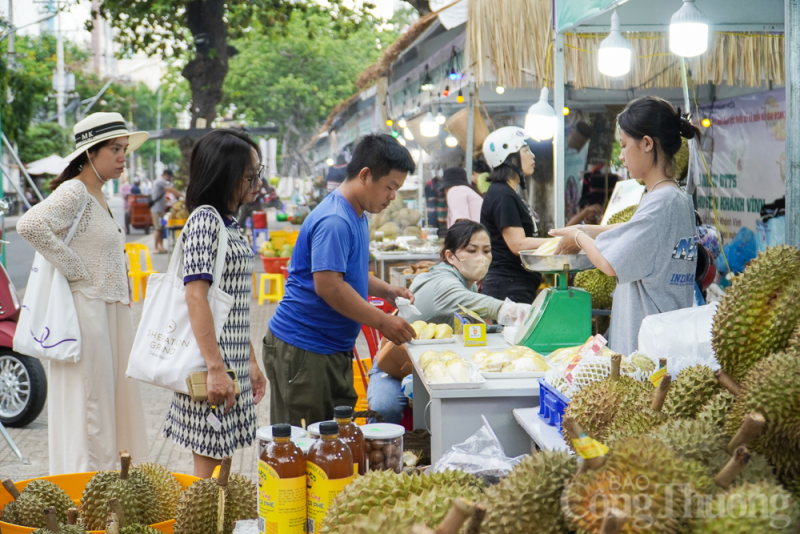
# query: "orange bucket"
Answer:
x=74 y=485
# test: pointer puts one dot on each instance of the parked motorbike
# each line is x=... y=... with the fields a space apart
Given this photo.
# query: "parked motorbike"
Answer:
x=23 y=383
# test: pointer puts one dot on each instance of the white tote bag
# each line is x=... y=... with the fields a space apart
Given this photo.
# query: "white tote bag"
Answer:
x=165 y=350
x=48 y=327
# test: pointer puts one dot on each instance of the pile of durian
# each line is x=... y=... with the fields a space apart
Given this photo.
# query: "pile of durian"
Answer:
x=444 y=367
x=396 y=220
x=132 y=499
x=516 y=359
x=432 y=330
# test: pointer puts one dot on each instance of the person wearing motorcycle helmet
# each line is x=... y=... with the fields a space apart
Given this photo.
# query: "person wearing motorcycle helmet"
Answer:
x=507 y=217
x=654 y=255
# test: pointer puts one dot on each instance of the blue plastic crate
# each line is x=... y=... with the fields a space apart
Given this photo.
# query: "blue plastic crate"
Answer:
x=552 y=404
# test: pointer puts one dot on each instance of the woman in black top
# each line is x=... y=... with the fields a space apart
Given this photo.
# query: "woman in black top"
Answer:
x=507 y=218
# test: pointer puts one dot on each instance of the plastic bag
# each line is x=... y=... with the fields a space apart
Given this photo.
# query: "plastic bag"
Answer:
x=481 y=455
x=683 y=337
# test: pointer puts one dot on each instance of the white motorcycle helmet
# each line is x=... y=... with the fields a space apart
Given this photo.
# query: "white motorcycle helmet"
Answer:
x=502 y=142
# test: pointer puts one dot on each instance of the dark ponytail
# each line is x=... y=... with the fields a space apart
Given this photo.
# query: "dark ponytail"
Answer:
x=75 y=166
x=656 y=118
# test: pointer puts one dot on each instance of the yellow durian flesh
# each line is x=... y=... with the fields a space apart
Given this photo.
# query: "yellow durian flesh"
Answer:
x=443 y=331
x=427 y=356
x=428 y=332
x=480 y=355
x=418 y=326
x=548 y=248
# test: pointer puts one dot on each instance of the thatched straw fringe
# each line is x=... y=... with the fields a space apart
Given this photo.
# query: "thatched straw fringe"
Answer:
x=504 y=35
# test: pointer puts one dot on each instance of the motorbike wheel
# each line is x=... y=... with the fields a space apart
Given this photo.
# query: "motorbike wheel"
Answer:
x=23 y=388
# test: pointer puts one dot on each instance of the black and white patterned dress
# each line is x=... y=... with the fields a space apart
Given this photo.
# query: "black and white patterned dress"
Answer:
x=187 y=421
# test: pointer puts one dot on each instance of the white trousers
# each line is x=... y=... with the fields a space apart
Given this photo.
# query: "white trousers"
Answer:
x=93 y=411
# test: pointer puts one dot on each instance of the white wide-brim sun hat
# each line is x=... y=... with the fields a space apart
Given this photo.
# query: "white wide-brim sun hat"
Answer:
x=99 y=127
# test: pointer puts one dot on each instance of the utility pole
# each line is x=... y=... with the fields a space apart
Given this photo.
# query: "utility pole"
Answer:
x=158 y=141
x=96 y=37
x=62 y=120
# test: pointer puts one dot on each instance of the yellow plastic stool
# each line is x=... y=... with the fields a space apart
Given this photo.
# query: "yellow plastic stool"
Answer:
x=274 y=295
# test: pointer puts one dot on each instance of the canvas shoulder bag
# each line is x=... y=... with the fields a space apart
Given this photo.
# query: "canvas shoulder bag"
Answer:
x=48 y=327
x=165 y=351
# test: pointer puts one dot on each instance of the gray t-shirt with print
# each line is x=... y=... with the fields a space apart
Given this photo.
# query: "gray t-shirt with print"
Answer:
x=654 y=256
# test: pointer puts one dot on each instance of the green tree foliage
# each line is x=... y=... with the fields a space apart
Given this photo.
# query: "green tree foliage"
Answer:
x=44 y=139
x=294 y=78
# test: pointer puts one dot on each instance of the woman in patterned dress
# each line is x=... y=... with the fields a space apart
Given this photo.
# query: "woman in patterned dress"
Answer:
x=225 y=172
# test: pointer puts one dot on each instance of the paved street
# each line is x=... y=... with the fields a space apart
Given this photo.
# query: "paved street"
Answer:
x=33 y=440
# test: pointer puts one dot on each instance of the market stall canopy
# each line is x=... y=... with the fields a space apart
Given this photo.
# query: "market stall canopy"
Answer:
x=54 y=165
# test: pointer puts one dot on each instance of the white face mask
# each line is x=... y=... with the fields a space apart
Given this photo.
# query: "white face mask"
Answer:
x=473 y=268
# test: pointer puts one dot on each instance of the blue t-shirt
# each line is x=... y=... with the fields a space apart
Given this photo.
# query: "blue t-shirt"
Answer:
x=332 y=238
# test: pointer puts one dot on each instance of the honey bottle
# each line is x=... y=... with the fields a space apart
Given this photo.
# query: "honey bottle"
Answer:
x=352 y=435
x=329 y=468
x=282 y=484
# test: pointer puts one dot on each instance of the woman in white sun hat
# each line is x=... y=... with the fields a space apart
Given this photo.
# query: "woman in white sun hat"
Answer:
x=93 y=411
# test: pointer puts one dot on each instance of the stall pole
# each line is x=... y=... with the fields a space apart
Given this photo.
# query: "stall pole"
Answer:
x=468 y=150
x=558 y=138
x=792 y=29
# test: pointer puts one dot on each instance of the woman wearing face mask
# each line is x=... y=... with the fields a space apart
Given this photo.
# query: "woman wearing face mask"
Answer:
x=508 y=219
x=466 y=255
x=652 y=255
x=93 y=411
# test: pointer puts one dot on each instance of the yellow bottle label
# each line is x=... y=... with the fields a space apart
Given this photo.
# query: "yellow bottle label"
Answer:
x=281 y=502
x=589 y=448
x=321 y=493
x=658 y=376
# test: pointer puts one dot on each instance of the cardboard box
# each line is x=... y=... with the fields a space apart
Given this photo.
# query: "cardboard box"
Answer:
x=471 y=330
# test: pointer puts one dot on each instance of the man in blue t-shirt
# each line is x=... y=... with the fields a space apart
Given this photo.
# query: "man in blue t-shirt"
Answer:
x=308 y=348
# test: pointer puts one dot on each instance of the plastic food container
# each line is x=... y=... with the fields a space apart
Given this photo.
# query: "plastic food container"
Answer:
x=384 y=446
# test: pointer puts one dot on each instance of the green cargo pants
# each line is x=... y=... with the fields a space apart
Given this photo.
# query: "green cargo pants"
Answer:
x=306 y=385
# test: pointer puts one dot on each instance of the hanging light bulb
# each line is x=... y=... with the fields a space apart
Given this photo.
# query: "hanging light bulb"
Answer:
x=401 y=141
x=329 y=162
x=440 y=118
x=389 y=122
x=688 y=31
x=427 y=82
x=451 y=141
x=460 y=97
x=429 y=127
x=566 y=111
x=453 y=75
x=446 y=91
x=407 y=134
x=402 y=122
x=540 y=122
x=395 y=134
x=614 y=56
x=499 y=89
x=706 y=122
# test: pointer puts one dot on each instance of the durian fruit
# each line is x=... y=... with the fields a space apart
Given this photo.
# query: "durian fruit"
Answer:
x=716 y=409
x=380 y=524
x=418 y=326
x=528 y=499
x=132 y=487
x=599 y=285
x=428 y=508
x=703 y=442
x=548 y=248
x=643 y=363
x=634 y=420
x=622 y=216
x=694 y=387
x=199 y=503
x=26 y=509
x=638 y=470
x=428 y=332
x=443 y=331
x=122 y=523
x=771 y=388
x=168 y=489
x=759 y=311
x=426 y=357
x=381 y=490
x=595 y=407
x=750 y=507
x=52 y=526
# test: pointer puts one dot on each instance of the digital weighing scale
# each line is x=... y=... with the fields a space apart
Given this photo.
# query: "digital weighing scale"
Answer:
x=561 y=316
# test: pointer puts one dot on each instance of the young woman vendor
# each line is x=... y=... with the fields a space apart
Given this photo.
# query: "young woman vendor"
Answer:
x=508 y=219
x=653 y=255
x=466 y=255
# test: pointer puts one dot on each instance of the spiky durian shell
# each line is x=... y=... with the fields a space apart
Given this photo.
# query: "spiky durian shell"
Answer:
x=771 y=388
x=595 y=407
x=635 y=468
x=643 y=363
x=64 y=529
x=634 y=420
x=135 y=494
x=528 y=499
x=138 y=529
x=376 y=523
x=168 y=489
x=429 y=507
x=25 y=511
x=750 y=508
x=705 y=443
x=197 y=506
x=759 y=311
x=623 y=216
x=716 y=409
x=599 y=285
x=691 y=391
x=382 y=489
